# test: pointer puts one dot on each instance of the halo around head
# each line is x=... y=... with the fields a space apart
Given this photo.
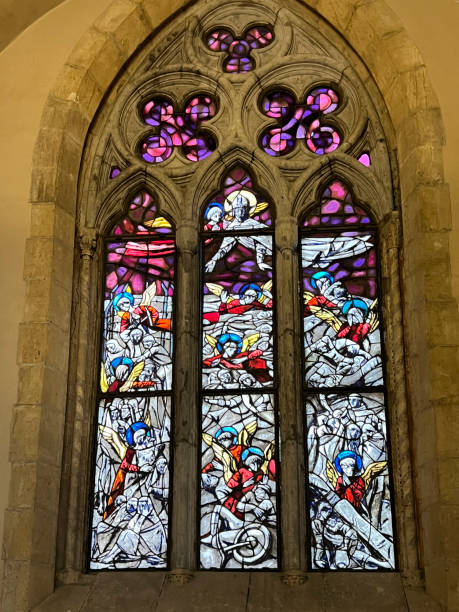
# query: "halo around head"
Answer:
x=251 y=198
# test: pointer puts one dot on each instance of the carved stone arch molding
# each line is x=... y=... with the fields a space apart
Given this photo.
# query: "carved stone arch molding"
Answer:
x=133 y=40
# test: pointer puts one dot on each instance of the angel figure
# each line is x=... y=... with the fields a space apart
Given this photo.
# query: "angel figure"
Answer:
x=142 y=448
x=241 y=205
x=228 y=446
x=251 y=297
x=122 y=376
x=144 y=315
x=320 y=252
x=233 y=352
x=344 y=475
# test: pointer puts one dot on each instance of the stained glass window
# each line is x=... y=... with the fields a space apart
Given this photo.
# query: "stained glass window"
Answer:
x=304 y=121
x=238 y=56
x=130 y=511
x=238 y=501
x=180 y=130
x=349 y=481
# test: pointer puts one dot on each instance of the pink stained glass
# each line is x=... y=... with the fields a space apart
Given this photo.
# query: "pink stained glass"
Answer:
x=142 y=218
x=365 y=159
x=238 y=59
x=337 y=209
x=178 y=130
x=300 y=122
x=219 y=215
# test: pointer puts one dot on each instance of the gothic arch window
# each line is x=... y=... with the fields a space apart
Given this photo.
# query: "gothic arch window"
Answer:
x=227 y=130
x=238 y=510
x=347 y=449
x=130 y=501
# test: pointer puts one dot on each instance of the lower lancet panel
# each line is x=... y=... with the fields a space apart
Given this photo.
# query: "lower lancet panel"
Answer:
x=238 y=483
x=349 y=487
x=131 y=484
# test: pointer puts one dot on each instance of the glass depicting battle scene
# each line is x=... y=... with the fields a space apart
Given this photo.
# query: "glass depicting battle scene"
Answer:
x=131 y=486
x=349 y=486
x=238 y=479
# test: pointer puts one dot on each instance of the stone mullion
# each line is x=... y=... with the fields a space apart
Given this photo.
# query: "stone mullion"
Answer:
x=76 y=447
x=292 y=474
x=183 y=537
x=399 y=432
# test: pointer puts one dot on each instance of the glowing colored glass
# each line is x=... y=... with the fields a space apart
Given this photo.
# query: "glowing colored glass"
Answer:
x=238 y=483
x=349 y=480
x=131 y=481
x=365 y=159
x=175 y=130
x=300 y=122
x=239 y=50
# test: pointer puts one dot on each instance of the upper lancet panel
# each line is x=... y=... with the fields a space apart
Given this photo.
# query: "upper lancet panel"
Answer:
x=258 y=76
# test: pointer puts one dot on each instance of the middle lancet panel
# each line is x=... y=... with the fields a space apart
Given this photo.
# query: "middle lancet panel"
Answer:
x=239 y=491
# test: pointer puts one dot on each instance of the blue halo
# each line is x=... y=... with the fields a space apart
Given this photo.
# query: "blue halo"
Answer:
x=315 y=277
x=357 y=303
x=214 y=205
x=136 y=427
x=251 y=286
x=121 y=361
x=229 y=338
x=230 y=430
x=345 y=455
x=252 y=450
x=123 y=294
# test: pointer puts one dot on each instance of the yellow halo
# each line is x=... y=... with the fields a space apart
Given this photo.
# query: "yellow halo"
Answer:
x=251 y=197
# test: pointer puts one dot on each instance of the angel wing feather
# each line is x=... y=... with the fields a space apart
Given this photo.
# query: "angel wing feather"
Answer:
x=215 y=288
x=269 y=454
x=114 y=439
x=135 y=373
x=326 y=315
x=211 y=340
x=148 y=295
x=249 y=341
x=247 y=432
x=332 y=473
x=259 y=207
x=373 y=470
x=226 y=459
x=103 y=379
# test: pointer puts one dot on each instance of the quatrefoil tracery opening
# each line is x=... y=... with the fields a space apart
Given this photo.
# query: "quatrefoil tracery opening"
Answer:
x=300 y=122
x=182 y=130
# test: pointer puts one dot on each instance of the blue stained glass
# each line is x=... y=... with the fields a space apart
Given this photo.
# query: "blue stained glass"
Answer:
x=349 y=482
x=238 y=487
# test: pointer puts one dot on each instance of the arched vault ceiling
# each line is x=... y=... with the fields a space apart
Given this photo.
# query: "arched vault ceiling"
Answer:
x=17 y=16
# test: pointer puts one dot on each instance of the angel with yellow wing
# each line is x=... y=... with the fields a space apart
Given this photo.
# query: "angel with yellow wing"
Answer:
x=346 y=478
x=251 y=297
x=228 y=446
x=235 y=353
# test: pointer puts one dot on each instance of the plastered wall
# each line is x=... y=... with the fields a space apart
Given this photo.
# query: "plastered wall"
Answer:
x=28 y=69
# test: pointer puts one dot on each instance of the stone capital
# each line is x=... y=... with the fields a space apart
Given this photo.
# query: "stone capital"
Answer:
x=87 y=240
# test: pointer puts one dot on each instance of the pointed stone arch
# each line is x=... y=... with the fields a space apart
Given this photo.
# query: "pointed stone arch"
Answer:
x=389 y=62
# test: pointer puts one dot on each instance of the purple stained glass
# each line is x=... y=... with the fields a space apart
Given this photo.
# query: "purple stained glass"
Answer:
x=130 y=511
x=237 y=207
x=300 y=122
x=349 y=480
x=337 y=208
x=238 y=507
x=238 y=50
x=115 y=171
x=175 y=130
x=142 y=218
